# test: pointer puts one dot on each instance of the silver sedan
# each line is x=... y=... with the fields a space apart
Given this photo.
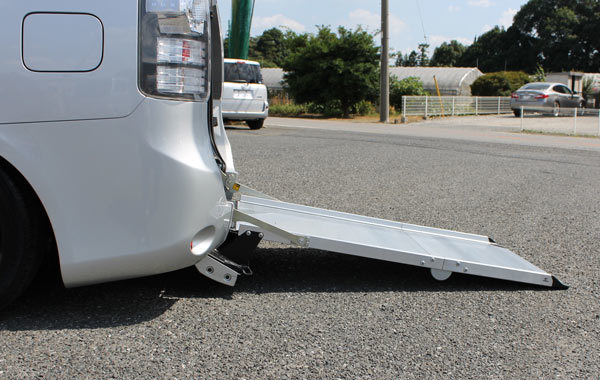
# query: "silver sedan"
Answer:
x=545 y=97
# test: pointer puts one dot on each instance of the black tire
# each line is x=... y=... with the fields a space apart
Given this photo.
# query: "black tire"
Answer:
x=255 y=124
x=24 y=234
x=517 y=113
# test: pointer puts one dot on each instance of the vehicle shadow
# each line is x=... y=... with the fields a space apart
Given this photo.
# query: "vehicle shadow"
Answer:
x=48 y=306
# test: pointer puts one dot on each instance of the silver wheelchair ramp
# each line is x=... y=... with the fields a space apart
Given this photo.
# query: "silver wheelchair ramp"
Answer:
x=443 y=252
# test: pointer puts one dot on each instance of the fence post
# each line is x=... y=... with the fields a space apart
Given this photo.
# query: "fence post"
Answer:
x=453 y=101
x=575 y=122
x=499 y=100
x=426 y=106
x=477 y=106
x=598 y=123
x=522 y=113
x=404 y=106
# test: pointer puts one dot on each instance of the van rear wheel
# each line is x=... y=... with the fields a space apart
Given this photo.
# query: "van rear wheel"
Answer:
x=255 y=124
x=23 y=235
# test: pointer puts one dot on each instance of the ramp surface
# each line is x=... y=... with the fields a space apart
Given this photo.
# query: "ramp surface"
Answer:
x=440 y=250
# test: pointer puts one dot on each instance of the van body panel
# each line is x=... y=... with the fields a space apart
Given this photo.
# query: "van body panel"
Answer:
x=128 y=181
x=108 y=91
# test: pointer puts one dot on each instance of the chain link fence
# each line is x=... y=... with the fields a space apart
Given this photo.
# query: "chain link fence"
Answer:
x=427 y=106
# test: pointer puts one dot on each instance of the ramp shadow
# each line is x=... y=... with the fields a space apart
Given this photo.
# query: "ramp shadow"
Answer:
x=306 y=270
x=48 y=306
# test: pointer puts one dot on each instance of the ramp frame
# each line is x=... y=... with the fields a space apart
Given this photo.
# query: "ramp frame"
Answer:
x=442 y=251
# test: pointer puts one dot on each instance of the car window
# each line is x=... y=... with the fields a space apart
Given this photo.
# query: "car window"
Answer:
x=535 y=86
x=559 y=89
x=567 y=90
x=242 y=73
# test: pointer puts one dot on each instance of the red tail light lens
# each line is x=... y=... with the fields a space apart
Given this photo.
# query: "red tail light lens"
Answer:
x=542 y=96
x=514 y=95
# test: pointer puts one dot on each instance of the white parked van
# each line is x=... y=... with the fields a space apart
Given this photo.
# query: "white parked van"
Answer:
x=244 y=94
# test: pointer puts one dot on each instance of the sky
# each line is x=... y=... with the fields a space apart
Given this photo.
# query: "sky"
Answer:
x=410 y=20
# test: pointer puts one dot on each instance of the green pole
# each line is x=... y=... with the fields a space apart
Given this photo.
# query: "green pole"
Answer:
x=239 y=33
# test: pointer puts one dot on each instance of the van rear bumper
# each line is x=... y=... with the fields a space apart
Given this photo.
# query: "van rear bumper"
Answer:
x=126 y=197
x=232 y=115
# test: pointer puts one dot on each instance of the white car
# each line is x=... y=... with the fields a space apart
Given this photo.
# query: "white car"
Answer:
x=244 y=94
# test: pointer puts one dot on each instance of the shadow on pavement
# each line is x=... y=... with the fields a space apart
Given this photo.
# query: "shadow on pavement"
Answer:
x=303 y=270
x=48 y=306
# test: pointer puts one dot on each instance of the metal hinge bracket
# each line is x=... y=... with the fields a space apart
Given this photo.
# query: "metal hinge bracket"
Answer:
x=300 y=241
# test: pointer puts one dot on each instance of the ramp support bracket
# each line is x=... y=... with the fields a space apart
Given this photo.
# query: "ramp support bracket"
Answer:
x=297 y=240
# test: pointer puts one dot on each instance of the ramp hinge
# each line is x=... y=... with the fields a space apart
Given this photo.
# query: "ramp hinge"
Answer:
x=300 y=241
x=238 y=190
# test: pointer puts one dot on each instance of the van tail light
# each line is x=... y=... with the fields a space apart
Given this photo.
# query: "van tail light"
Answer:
x=515 y=95
x=174 y=45
x=542 y=96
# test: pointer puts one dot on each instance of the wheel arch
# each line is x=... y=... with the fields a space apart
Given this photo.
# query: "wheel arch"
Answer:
x=16 y=174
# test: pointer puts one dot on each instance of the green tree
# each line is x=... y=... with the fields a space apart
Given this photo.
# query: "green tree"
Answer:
x=587 y=88
x=499 y=49
x=332 y=67
x=564 y=32
x=501 y=83
x=273 y=47
x=423 y=54
x=408 y=60
x=406 y=86
x=558 y=34
x=539 y=75
x=447 y=54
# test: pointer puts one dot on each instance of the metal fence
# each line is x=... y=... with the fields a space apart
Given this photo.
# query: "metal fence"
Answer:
x=454 y=105
x=569 y=121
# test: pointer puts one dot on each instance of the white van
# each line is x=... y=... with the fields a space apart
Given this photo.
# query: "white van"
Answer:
x=244 y=94
x=114 y=158
x=111 y=141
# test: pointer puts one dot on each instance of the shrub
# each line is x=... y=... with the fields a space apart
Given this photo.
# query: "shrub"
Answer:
x=501 y=83
x=287 y=110
x=364 y=108
x=331 y=108
x=406 y=86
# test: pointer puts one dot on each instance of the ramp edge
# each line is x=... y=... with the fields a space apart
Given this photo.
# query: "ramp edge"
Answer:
x=556 y=284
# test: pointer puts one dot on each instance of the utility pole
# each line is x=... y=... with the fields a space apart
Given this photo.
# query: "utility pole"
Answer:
x=239 y=32
x=384 y=108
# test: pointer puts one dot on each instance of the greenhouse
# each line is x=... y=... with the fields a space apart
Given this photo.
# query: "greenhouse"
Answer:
x=453 y=81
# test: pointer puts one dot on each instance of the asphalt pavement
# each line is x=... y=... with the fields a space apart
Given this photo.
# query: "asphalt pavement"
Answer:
x=317 y=315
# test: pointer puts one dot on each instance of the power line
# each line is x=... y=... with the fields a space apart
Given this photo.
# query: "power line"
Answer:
x=421 y=18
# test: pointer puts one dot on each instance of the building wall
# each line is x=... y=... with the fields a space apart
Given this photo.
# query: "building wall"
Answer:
x=572 y=80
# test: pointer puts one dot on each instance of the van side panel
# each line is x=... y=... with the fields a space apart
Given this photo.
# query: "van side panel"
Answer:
x=46 y=95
